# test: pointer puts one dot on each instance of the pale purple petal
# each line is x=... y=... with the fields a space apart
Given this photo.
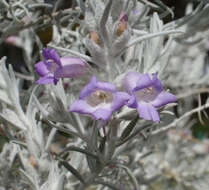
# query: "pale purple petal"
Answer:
x=120 y=99
x=70 y=71
x=143 y=82
x=130 y=80
x=71 y=67
x=41 y=69
x=103 y=114
x=45 y=80
x=164 y=98
x=94 y=85
x=51 y=54
x=46 y=53
x=55 y=56
x=135 y=81
x=132 y=102
x=106 y=86
x=156 y=83
x=148 y=112
x=72 y=60
x=89 y=88
x=80 y=106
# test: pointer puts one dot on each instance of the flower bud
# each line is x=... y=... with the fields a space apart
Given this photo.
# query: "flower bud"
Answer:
x=94 y=36
x=123 y=24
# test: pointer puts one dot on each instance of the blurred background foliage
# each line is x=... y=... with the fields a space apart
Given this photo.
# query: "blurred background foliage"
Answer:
x=15 y=54
x=199 y=130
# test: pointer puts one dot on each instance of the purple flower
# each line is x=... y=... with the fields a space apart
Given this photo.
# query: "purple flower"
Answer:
x=146 y=95
x=99 y=99
x=53 y=67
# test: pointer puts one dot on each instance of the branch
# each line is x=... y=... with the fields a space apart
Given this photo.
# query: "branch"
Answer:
x=192 y=92
x=176 y=121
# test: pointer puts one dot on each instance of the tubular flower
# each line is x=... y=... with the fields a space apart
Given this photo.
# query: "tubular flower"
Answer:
x=53 y=67
x=99 y=99
x=146 y=95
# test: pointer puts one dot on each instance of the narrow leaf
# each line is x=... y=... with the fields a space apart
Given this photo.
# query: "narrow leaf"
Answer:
x=30 y=180
x=102 y=144
x=129 y=128
x=73 y=171
x=92 y=163
x=136 y=132
x=76 y=149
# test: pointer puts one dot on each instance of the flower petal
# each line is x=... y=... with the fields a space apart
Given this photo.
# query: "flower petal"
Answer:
x=103 y=114
x=45 y=80
x=72 y=61
x=143 y=82
x=71 y=67
x=148 y=112
x=55 y=81
x=156 y=83
x=164 y=98
x=94 y=85
x=70 y=71
x=46 y=53
x=41 y=69
x=51 y=54
x=80 y=106
x=105 y=86
x=89 y=88
x=135 y=81
x=120 y=99
x=132 y=102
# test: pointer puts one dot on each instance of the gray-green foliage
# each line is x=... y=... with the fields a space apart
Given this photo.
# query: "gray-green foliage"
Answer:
x=125 y=155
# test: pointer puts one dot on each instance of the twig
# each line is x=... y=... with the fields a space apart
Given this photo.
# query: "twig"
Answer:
x=111 y=186
x=87 y=58
x=147 y=37
x=39 y=5
x=136 y=132
x=151 y=35
x=131 y=175
x=67 y=131
x=50 y=138
x=5 y=3
x=56 y=6
x=192 y=92
x=176 y=121
x=23 y=76
x=14 y=30
x=199 y=112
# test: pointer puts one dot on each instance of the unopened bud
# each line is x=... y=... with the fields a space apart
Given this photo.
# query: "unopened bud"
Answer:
x=32 y=161
x=94 y=36
x=123 y=24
